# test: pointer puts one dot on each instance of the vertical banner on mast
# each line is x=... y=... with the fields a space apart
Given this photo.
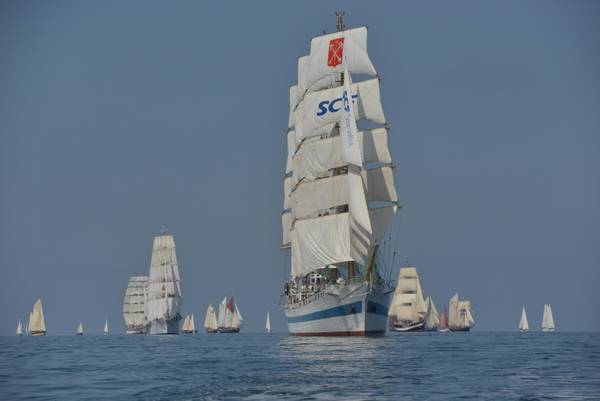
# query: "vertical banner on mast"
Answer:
x=348 y=129
x=360 y=223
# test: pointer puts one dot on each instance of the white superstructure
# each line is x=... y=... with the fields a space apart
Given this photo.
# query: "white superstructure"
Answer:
x=339 y=193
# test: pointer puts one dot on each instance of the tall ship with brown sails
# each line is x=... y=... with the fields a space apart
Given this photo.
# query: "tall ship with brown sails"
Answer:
x=339 y=192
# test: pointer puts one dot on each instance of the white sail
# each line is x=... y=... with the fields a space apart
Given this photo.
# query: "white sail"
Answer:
x=164 y=292
x=431 y=317
x=548 y=319
x=408 y=303
x=105 y=327
x=523 y=324
x=327 y=81
x=315 y=198
x=460 y=315
x=222 y=309
x=20 y=328
x=316 y=159
x=210 y=321
x=453 y=312
x=37 y=323
x=268 y=323
x=192 y=324
x=238 y=318
x=317 y=113
x=133 y=304
x=80 y=328
x=186 y=323
x=327 y=53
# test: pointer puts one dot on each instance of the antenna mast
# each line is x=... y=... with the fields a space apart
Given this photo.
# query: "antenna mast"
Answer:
x=340 y=22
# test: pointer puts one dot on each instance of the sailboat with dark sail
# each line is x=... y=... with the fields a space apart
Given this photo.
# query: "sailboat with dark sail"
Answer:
x=339 y=193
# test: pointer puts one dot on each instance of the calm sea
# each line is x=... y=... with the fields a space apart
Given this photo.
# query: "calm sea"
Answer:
x=426 y=366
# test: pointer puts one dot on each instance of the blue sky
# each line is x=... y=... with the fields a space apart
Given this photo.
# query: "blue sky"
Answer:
x=119 y=117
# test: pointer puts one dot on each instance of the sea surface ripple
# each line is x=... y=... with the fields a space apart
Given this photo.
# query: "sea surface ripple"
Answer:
x=418 y=366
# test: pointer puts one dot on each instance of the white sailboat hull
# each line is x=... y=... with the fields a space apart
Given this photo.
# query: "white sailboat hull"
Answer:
x=547 y=330
x=159 y=327
x=352 y=310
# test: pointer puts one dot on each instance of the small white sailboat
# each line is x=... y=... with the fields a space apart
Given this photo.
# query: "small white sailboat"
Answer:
x=20 y=328
x=80 y=329
x=37 y=323
x=523 y=324
x=268 y=324
x=548 y=320
x=105 y=327
x=432 y=320
x=189 y=326
x=210 y=321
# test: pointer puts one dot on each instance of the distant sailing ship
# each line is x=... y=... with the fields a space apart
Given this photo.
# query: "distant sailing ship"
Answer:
x=133 y=305
x=230 y=318
x=460 y=316
x=164 y=292
x=408 y=309
x=105 y=331
x=189 y=325
x=339 y=193
x=523 y=324
x=210 y=321
x=268 y=324
x=548 y=319
x=79 y=329
x=431 y=321
x=37 y=323
x=443 y=325
x=20 y=328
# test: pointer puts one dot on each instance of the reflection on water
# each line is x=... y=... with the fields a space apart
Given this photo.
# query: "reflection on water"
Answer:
x=411 y=366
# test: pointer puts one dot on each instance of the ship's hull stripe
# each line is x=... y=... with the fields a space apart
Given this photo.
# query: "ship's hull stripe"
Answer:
x=361 y=333
x=342 y=310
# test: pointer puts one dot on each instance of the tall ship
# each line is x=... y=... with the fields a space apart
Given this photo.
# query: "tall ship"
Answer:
x=548 y=319
x=37 y=323
x=339 y=193
x=408 y=309
x=134 y=305
x=460 y=315
x=229 y=319
x=210 y=320
x=164 y=291
x=523 y=323
x=431 y=319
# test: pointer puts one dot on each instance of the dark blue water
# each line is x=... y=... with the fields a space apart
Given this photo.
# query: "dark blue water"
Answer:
x=436 y=366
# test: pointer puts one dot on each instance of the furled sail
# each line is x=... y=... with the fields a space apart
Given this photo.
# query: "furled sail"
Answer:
x=408 y=304
x=164 y=292
x=133 y=304
x=523 y=324
x=37 y=324
x=548 y=319
x=432 y=320
x=328 y=53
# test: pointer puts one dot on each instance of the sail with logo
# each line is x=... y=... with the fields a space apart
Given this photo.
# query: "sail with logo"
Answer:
x=339 y=193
